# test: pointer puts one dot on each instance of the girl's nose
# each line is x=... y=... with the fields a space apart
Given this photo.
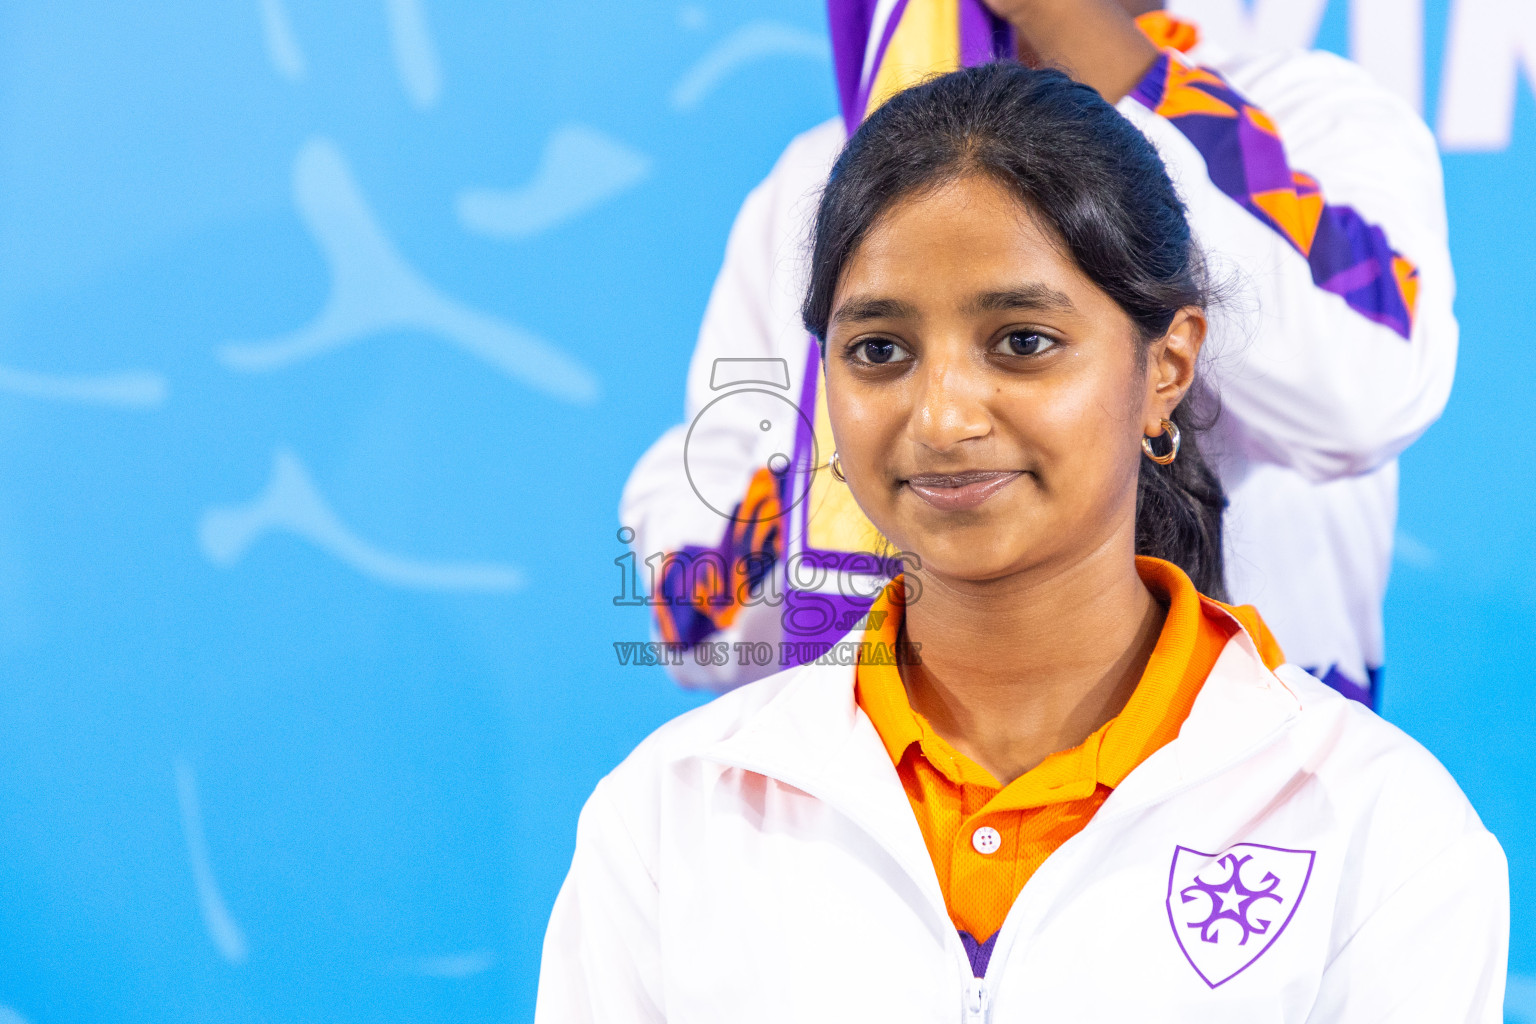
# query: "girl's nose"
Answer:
x=951 y=403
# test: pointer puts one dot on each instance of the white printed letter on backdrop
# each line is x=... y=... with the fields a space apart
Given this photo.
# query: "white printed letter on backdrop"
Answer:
x=1489 y=41
x=1386 y=37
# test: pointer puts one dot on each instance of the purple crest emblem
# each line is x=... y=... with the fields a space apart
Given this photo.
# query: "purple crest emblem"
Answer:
x=1227 y=909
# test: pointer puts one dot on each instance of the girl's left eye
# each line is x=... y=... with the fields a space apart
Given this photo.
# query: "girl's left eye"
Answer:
x=1025 y=343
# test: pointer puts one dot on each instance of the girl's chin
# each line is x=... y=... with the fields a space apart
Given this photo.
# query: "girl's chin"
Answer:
x=971 y=562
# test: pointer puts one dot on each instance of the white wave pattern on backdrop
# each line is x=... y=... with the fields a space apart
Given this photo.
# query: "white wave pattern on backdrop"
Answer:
x=133 y=389
x=10 y=1016
x=758 y=41
x=416 y=61
x=1410 y=550
x=221 y=925
x=451 y=965
x=291 y=503
x=374 y=290
x=282 y=45
x=580 y=168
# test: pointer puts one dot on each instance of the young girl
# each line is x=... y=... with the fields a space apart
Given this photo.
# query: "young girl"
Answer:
x=1055 y=779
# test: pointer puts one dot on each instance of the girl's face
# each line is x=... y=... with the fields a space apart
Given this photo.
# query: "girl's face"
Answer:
x=987 y=398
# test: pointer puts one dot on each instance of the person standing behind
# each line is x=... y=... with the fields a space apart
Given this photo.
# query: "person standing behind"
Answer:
x=1317 y=195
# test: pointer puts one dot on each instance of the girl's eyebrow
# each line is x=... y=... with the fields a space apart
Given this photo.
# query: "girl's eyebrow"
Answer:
x=862 y=310
x=1033 y=297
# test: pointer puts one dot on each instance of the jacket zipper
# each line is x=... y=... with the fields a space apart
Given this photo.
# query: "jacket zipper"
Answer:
x=976 y=1001
x=977 y=993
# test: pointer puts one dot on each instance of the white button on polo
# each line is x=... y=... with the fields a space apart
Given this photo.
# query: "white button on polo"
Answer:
x=986 y=840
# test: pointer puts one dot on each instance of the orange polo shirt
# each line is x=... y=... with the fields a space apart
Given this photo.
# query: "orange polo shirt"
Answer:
x=987 y=840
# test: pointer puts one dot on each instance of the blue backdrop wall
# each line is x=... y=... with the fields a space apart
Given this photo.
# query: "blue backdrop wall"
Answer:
x=328 y=334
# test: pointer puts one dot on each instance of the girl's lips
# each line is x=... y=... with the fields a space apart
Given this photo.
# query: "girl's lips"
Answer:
x=959 y=492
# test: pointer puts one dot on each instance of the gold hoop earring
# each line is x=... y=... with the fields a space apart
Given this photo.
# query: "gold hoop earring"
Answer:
x=1172 y=430
x=836 y=465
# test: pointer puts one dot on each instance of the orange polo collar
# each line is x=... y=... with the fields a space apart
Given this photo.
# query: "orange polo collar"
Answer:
x=1152 y=716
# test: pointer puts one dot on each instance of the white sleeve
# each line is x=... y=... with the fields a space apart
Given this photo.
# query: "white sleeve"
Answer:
x=753 y=314
x=659 y=502
x=1318 y=372
x=1436 y=950
x=602 y=959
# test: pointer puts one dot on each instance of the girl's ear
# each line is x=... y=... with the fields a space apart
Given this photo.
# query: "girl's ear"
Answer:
x=1171 y=362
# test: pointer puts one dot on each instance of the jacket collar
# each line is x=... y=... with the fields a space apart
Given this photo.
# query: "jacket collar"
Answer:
x=812 y=735
x=1240 y=709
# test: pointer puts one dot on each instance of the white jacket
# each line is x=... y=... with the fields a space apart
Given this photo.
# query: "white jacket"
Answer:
x=757 y=860
x=1318 y=399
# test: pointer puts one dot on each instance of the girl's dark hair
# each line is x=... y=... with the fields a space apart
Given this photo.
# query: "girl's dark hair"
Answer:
x=1093 y=177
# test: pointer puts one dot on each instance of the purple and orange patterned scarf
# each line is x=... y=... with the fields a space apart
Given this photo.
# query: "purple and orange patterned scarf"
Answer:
x=880 y=47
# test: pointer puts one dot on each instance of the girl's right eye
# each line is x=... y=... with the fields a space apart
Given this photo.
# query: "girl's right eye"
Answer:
x=878 y=351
